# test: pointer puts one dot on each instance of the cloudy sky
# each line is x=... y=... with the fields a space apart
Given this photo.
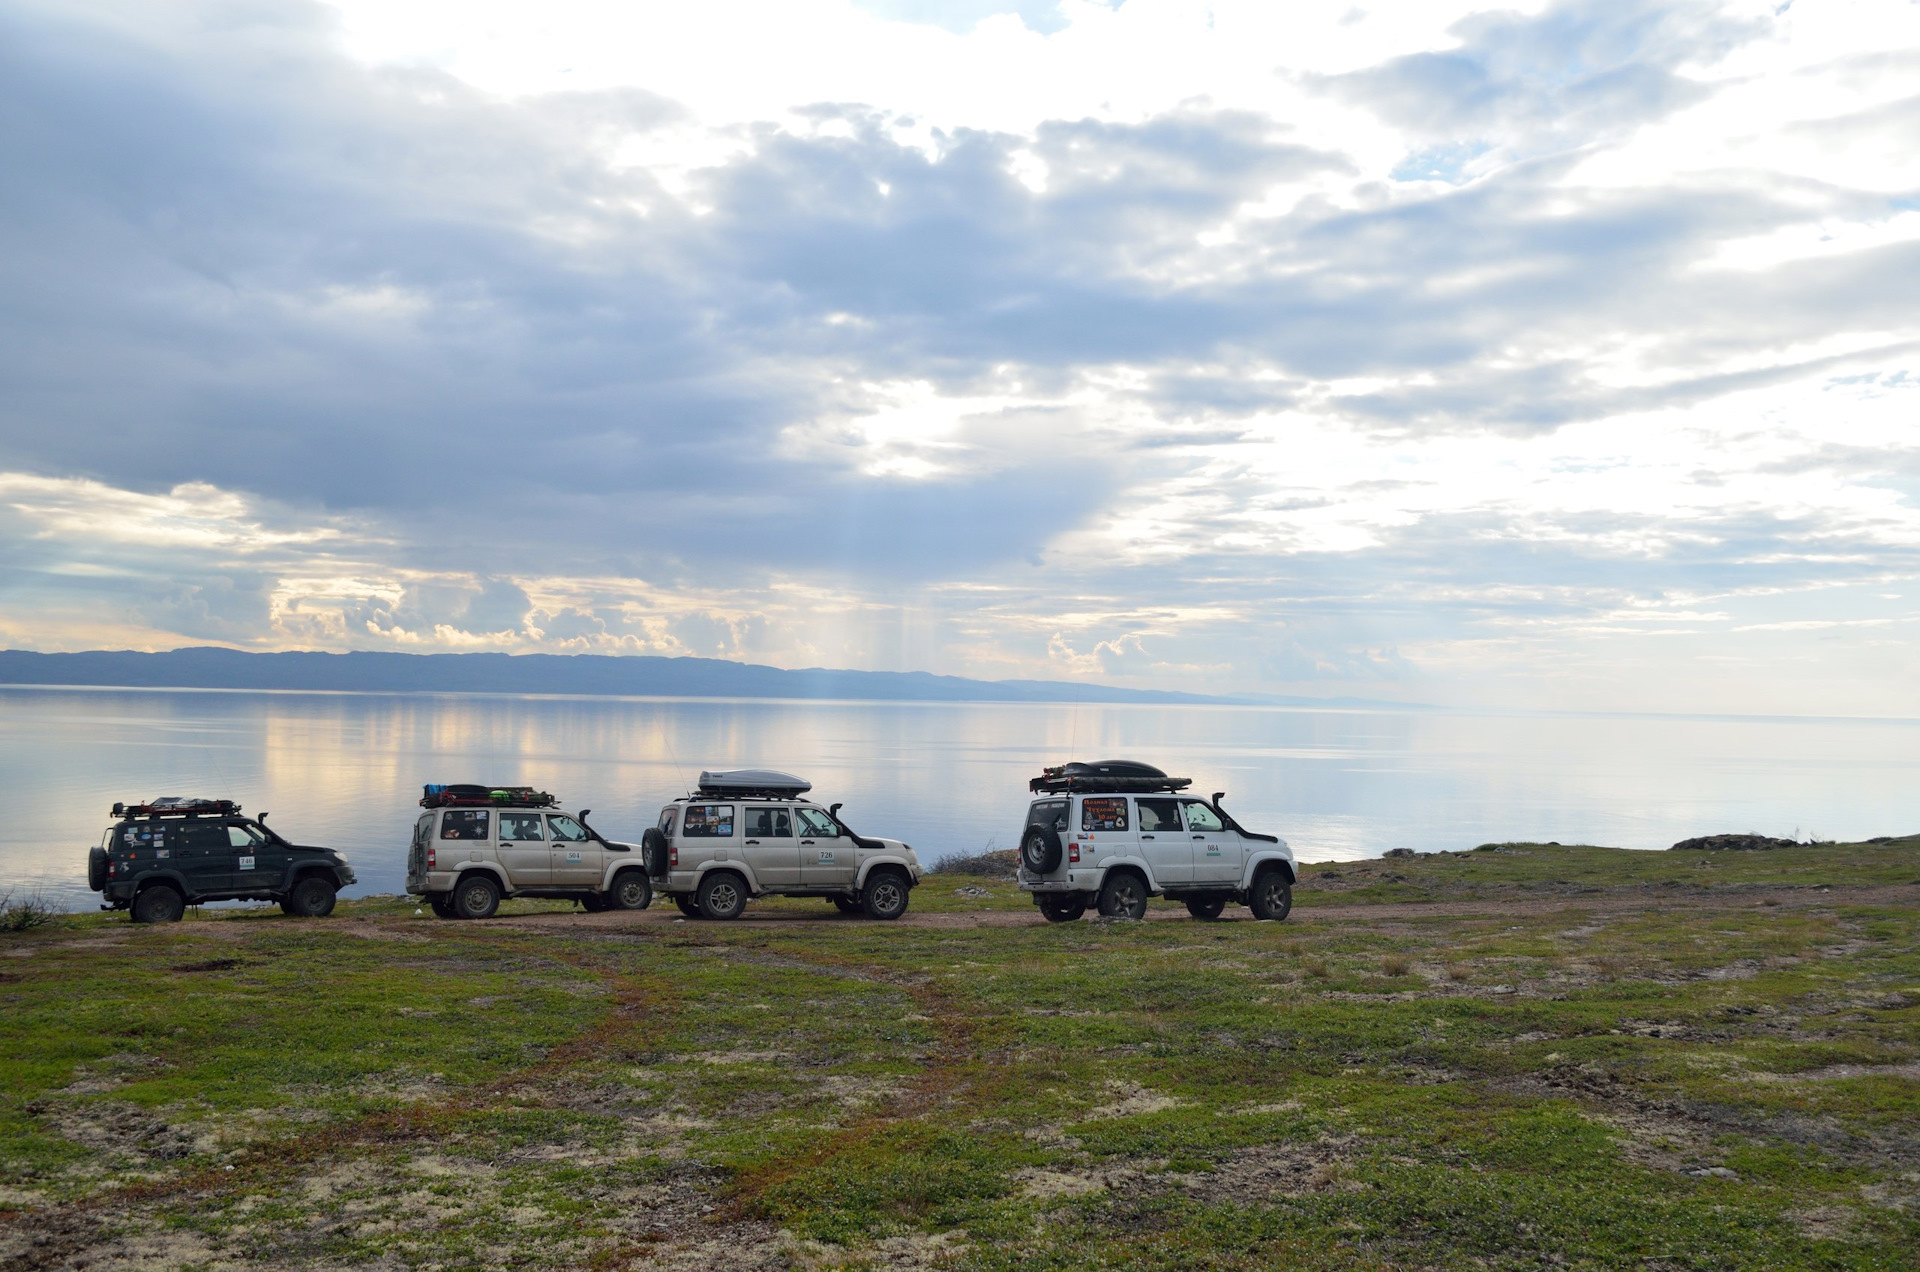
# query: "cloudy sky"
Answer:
x=1563 y=355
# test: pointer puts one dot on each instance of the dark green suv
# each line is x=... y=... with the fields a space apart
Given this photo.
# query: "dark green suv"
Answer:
x=162 y=856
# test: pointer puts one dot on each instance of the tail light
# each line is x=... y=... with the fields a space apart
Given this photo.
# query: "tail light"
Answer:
x=431 y=858
x=1073 y=852
x=673 y=856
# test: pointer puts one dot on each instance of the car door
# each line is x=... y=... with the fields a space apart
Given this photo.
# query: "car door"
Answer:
x=771 y=848
x=1217 y=851
x=1163 y=841
x=259 y=861
x=198 y=851
x=578 y=859
x=523 y=850
x=827 y=859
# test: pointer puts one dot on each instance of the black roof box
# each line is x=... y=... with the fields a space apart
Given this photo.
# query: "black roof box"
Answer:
x=743 y=783
x=1115 y=776
x=177 y=806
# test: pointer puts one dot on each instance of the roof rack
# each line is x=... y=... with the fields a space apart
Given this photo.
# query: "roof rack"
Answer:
x=753 y=784
x=434 y=795
x=1106 y=776
x=177 y=806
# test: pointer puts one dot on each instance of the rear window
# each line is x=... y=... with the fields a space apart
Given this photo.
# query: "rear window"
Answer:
x=1050 y=813
x=708 y=821
x=465 y=823
x=1158 y=815
x=422 y=828
x=1106 y=812
x=666 y=822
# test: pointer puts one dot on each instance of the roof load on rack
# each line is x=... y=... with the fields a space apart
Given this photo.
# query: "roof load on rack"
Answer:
x=176 y=806
x=763 y=782
x=434 y=795
x=1115 y=776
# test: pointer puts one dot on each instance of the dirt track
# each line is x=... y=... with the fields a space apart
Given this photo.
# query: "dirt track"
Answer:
x=1611 y=901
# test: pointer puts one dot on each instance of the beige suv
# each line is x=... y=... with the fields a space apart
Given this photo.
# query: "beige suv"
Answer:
x=749 y=833
x=475 y=845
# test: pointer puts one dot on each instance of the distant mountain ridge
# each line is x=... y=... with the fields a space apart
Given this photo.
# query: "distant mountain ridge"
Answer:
x=208 y=667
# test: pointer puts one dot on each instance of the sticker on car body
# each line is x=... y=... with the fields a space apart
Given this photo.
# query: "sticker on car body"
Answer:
x=246 y=863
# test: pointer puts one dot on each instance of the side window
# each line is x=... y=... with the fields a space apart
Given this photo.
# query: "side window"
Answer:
x=1200 y=817
x=666 y=822
x=521 y=827
x=815 y=824
x=465 y=823
x=1106 y=812
x=708 y=821
x=769 y=823
x=203 y=835
x=566 y=830
x=1051 y=813
x=242 y=837
x=1158 y=816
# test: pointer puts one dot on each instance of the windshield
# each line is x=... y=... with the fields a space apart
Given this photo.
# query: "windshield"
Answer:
x=816 y=823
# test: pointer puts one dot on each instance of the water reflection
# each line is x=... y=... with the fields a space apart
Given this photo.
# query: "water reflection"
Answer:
x=345 y=769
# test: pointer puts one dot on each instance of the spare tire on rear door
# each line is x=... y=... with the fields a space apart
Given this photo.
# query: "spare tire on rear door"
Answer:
x=653 y=851
x=96 y=867
x=1040 y=851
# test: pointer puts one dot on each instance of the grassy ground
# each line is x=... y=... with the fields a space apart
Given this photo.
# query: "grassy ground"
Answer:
x=1530 y=1057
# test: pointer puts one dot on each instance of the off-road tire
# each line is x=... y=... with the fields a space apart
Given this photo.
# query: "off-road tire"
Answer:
x=1066 y=907
x=1271 y=896
x=161 y=903
x=1040 y=851
x=653 y=852
x=846 y=905
x=687 y=905
x=595 y=903
x=476 y=897
x=723 y=895
x=1123 y=896
x=441 y=903
x=311 y=898
x=885 y=896
x=97 y=868
x=630 y=891
x=1206 y=907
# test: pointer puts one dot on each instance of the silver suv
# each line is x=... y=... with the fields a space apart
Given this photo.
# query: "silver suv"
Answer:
x=750 y=833
x=1114 y=833
x=476 y=845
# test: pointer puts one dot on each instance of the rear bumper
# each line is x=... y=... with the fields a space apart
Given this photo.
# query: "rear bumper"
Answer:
x=1072 y=883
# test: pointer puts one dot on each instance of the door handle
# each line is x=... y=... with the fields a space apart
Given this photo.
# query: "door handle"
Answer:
x=1199 y=836
x=1146 y=836
x=807 y=842
x=753 y=841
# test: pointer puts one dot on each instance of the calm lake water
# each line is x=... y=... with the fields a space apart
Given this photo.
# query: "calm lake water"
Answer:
x=345 y=770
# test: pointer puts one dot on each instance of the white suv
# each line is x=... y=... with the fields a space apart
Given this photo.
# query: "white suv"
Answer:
x=748 y=833
x=1114 y=833
x=477 y=844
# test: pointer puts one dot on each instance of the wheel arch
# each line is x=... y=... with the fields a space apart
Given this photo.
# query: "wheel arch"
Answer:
x=488 y=868
x=1131 y=865
x=1269 y=861
x=171 y=878
x=878 y=863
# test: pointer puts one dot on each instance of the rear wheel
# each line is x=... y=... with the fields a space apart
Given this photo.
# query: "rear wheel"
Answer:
x=161 y=903
x=1063 y=907
x=846 y=905
x=1272 y=896
x=630 y=891
x=1206 y=907
x=885 y=896
x=723 y=895
x=687 y=905
x=476 y=897
x=442 y=904
x=311 y=898
x=1123 y=896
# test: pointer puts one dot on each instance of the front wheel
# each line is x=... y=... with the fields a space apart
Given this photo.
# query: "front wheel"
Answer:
x=630 y=891
x=311 y=898
x=476 y=897
x=885 y=896
x=1063 y=908
x=159 y=904
x=1206 y=907
x=1123 y=896
x=1272 y=896
x=723 y=895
